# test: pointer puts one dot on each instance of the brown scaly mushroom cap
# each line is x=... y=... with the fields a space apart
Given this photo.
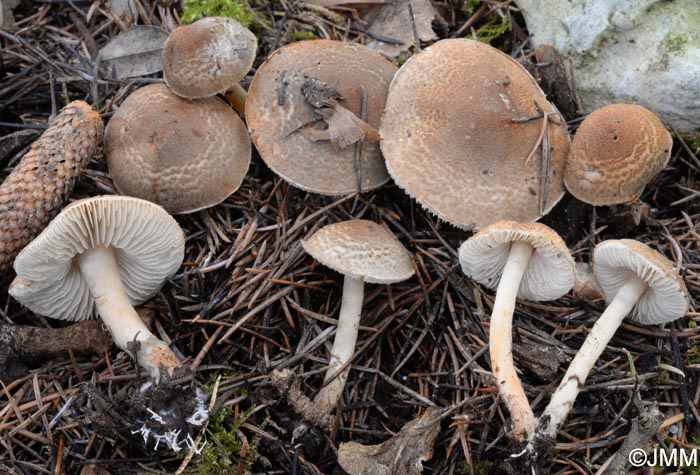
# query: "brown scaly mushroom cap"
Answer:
x=281 y=120
x=361 y=249
x=183 y=155
x=616 y=151
x=43 y=180
x=207 y=57
x=450 y=141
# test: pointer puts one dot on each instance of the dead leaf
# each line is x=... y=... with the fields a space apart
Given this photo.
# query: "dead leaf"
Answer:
x=403 y=454
x=134 y=52
x=393 y=21
x=7 y=18
x=124 y=9
x=344 y=127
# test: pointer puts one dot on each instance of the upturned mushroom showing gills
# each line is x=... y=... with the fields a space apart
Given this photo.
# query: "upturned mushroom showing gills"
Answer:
x=465 y=124
x=529 y=261
x=43 y=180
x=207 y=57
x=104 y=255
x=362 y=251
x=312 y=110
x=183 y=155
x=637 y=282
x=616 y=151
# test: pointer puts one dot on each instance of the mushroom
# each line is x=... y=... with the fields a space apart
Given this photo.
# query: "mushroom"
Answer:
x=362 y=251
x=529 y=261
x=207 y=57
x=464 y=124
x=183 y=155
x=637 y=282
x=585 y=284
x=42 y=181
x=616 y=151
x=104 y=255
x=304 y=109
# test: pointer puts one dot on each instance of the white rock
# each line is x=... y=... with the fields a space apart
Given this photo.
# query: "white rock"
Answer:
x=641 y=51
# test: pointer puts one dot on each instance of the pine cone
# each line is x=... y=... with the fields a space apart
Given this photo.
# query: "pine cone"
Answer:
x=39 y=186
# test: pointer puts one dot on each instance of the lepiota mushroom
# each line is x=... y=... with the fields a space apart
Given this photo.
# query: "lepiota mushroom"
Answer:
x=529 y=261
x=637 y=282
x=616 y=151
x=103 y=255
x=183 y=155
x=465 y=124
x=207 y=57
x=42 y=181
x=304 y=87
x=362 y=251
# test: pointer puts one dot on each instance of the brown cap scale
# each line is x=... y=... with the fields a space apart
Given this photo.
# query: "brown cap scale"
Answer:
x=616 y=151
x=207 y=57
x=638 y=282
x=283 y=123
x=362 y=251
x=529 y=261
x=456 y=137
x=183 y=155
x=103 y=255
x=43 y=180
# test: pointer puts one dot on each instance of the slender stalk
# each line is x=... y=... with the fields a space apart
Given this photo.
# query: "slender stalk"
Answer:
x=99 y=268
x=602 y=332
x=501 y=342
x=343 y=345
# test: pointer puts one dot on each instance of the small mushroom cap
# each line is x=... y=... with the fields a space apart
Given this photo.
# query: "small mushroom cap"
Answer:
x=280 y=119
x=585 y=285
x=550 y=272
x=183 y=155
x=450 y=139
x=665 y=300
x=148 y=243
x=207 y=57
x=616 y=151
x=361 y=249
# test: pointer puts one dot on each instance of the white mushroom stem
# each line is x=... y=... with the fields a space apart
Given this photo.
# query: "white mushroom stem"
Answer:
x=343 y=345
x=501 y=342
x=237 y=96
x=99 y=268
x=602 y=332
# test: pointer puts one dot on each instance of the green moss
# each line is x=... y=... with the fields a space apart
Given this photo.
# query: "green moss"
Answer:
x=693 y=355
x=223 y=442
x=495 y=27
x=303 y=35
x=470 y=6
x=193 y=10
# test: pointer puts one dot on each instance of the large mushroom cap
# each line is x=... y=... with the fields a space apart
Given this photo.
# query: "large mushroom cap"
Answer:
x=450 y=141
x=280 y=118
x=616 y=151
x=183 y=155
x=361 y=249
x=550 y=273
x=665 y=300
x=148 y=244
x=207 y=57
